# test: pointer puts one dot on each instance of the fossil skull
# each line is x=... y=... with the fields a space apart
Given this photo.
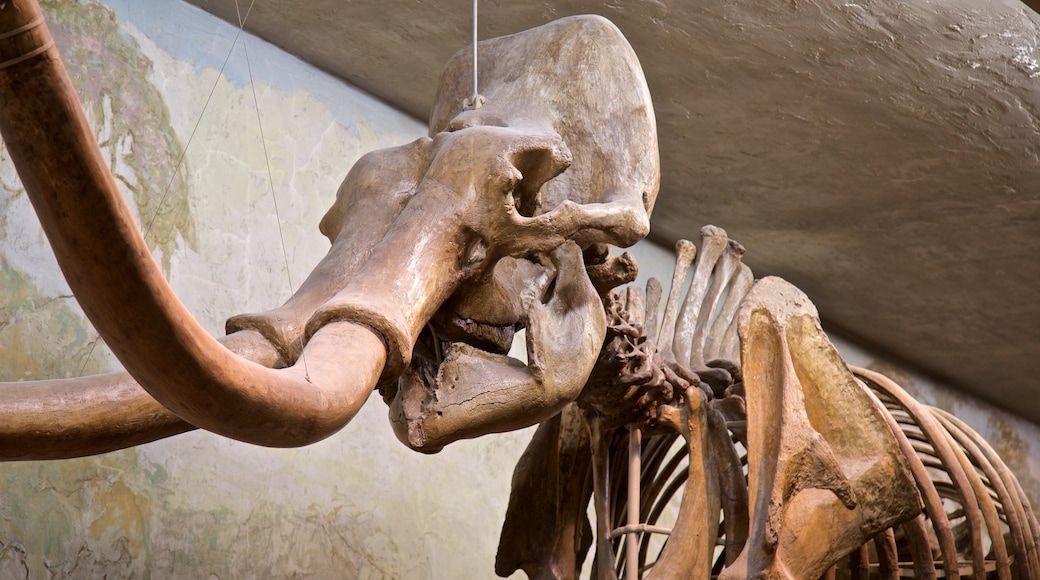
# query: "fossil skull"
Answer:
x=563 y=154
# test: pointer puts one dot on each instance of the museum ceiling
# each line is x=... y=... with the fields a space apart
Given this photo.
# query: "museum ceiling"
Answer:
x=883 y=156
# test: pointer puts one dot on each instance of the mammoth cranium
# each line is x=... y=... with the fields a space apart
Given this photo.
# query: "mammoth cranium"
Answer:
x=462 y=235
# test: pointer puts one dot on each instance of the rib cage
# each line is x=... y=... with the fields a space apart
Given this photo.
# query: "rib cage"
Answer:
x=976 y=523
x=988 y=535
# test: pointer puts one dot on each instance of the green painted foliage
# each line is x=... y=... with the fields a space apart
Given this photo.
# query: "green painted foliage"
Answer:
x=129 y=116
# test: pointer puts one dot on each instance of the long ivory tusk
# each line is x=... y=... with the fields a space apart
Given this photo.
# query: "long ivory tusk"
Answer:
x=124 y=294
x=64 y=418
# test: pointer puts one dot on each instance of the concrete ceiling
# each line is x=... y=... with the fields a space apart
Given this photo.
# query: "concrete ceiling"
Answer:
x=882 y=155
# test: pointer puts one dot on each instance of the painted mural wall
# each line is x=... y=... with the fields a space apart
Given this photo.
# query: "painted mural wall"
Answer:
x=179 y=111
x=180 y=126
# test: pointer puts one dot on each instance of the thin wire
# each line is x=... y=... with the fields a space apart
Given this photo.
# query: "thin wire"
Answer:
x=270 y=182
x=184 y=151
x=476 y=94
x=475 y=101
x=205 y=106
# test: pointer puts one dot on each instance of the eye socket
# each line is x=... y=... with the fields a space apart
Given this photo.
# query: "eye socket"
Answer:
x=536 y=167
x=476 y=253
x=525 y=200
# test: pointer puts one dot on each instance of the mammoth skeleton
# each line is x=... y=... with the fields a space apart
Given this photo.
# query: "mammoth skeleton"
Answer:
x=474 y=205
x=728 y=424
x=442 y=249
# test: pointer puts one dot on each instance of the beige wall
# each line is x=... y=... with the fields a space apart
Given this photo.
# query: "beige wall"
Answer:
x=200 y=506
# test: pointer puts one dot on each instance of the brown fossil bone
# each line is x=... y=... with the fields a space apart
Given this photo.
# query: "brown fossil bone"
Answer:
x=692 y=339
x=478 y=392
x=638 y=382
x=122 y=291
x=691 y=546
x=969 y=494
x=716 y=263
x=974 y=514
x=96 y=414
x=579 y=79
x=546 y=531
x=807 y=467
x=482 y=188
x=820 y=485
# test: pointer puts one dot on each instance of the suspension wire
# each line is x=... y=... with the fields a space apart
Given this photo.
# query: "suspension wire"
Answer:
x=198 y=121
x=476 y=93
x=184 y=151
x=270 y=182
x=476 y=100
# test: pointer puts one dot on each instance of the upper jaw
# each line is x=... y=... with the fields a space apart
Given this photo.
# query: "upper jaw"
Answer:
x=447 y=326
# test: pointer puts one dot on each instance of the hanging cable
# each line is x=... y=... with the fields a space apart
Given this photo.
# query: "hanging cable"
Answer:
x=205 y=106
x=270 y=182
x=147 y=229
x=476 y=100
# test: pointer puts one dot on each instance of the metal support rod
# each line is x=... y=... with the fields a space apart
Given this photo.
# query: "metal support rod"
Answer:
x=634 y=468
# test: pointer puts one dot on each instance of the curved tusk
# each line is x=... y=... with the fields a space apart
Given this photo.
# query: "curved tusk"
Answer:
x=121 y=289
x=65 y=418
